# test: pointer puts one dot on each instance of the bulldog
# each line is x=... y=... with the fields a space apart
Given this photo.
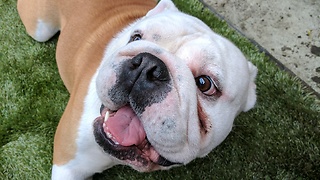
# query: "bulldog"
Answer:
x=150 y=87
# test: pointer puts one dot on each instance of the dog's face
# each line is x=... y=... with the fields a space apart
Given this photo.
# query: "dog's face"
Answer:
x=170 y=89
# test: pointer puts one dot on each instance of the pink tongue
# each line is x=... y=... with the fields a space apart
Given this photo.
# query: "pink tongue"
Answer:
x=125 y=127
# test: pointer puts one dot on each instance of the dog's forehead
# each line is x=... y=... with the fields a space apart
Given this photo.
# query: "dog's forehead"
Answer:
x=181 y=34
x=201 y=56
x=171 y=25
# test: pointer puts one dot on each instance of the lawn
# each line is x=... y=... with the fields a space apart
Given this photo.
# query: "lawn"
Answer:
x=278 y=139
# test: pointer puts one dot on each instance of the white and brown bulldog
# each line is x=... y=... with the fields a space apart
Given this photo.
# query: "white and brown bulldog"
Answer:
x=150 y=87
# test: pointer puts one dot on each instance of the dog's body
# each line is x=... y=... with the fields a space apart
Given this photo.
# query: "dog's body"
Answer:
x=159 y=93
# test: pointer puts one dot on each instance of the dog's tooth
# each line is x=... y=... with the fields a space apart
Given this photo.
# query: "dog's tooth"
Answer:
x=106 y=116
x=109 y=135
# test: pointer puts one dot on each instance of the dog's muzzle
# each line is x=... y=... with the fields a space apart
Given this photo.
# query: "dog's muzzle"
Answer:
x=141 y=81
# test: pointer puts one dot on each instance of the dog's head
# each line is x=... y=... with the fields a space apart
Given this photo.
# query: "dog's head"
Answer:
x=170 y=90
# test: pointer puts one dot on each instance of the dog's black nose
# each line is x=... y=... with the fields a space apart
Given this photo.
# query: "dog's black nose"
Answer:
x=149 y=68
x=141 y=81
x=152 y=81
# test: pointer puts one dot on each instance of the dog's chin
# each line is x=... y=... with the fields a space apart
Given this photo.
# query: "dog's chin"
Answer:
x=121 y=135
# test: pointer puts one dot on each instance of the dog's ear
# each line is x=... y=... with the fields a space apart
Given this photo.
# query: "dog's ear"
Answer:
x=163 y=5
x=252 y=97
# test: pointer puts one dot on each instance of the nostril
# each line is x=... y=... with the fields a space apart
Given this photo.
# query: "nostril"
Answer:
x=153 y=74
x=136 y=62
x=157 y=73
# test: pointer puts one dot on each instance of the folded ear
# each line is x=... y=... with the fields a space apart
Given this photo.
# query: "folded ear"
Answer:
x=163 y=5
x=252 y=97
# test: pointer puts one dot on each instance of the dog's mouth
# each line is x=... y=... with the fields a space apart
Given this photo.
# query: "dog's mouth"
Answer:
x=121 y=134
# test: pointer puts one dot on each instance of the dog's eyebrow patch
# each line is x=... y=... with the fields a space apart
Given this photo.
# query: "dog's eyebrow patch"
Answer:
x=156 y=37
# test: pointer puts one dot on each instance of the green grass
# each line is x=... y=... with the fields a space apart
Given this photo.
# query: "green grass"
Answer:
x=279 y=139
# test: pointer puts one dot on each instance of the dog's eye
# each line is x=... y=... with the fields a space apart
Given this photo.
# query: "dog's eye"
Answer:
x=206 y=85
x=135 y=37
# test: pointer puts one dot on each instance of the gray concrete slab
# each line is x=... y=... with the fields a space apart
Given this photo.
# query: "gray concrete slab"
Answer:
x=289 y=30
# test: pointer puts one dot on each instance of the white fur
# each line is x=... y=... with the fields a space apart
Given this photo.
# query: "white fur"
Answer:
x=89 y=158
x=44 y=31
x=164 y=5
